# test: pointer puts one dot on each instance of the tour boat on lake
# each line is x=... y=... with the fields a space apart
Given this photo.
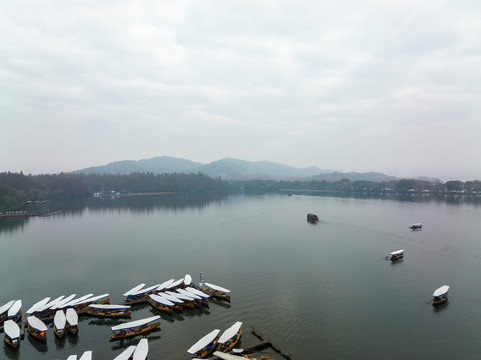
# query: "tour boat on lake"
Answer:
x=416 y=226
x=108 y=310
x=440 y=295
x=204 y=346
x=37 y=328
x=59 y=323
x=230 y=337
x=12 y=333
x=72 y=321
x=397 y=255
x=15 y=311
x=135 y=327
x=217 y=291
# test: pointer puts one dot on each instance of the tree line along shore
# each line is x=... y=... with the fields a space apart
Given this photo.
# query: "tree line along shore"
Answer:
x=18 y=188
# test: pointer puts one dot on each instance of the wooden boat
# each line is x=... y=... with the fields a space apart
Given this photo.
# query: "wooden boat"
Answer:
x=397 y=255
x=204 y=346
x=37 y=305
x=205 y=297
x=198 y=300
x=86 y=356
x=188 y=301
x=15 y=311
x=126 y=354
x=165 y=285
x=217 y=291
x=175 y=285
x=135 y=327
x=416 y=226
x=161 y=303
x=440 y=295
x=84 y=305
x=59 y=323
x=72 y=321
x=46 y=311
x=179 y=304
x=141 y=351
x=4 y=310
x=108 y=310
x=312 y=218
x=37 y=328
x=141 y=295
x=230 y=337
x=187 y=280
x=63 y=303
x=134 y=289
x=77 y=301
x=12 y=333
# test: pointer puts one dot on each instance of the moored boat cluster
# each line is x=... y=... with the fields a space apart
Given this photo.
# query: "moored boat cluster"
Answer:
x=63 y=312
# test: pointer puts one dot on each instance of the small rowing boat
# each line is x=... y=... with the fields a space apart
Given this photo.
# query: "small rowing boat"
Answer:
x=230 y=337
x=108 y=310
x=37 y=328
x=179 y=304
x=140 y=295
x=440 y=295
x=135 y=327
x=204 y=346
x=416 y=226
x=217 y=291
x=397 y=255
x=72 y=321
x=204 y=297
x=4 y=310
x=12 y=333
x=15 y=311
x=161 y=303
x=59 y=323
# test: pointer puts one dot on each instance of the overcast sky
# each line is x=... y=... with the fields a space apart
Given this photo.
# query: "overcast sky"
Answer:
x=351 y=85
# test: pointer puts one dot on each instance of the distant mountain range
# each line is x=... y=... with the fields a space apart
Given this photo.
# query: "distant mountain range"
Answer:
x=231 y=169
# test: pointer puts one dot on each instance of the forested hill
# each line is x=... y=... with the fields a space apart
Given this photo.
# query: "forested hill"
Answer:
x=16 y=188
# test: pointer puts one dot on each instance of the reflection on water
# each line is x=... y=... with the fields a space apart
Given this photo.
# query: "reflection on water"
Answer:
x=40 y=346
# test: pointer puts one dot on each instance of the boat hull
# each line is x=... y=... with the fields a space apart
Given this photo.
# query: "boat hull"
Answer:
x=231 y=343
x=13 y=343
x=72 y=329
x=39 y=335
x=160 y=307
x=135 y=331
x=109 y=313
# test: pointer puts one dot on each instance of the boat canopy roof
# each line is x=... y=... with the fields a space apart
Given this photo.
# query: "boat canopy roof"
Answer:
x=11 y=329
x=175 y=283
x=63 y=302
x=172 y=298
x=72 y=357
x=397 y=252
x=134 y=289
x=180 y=296
x=86 y=356
x=59 y=319
x=442 y=290
x=126 y=354
x=197 y=292
x=187 y=280
x=165 y=284
x=72 y=317
x=202 y=343
x=15 y=308
x=7 y=306
x=109 y=306
x=142 y=350
x=143 y=291
x=79 y=300
x=38 y=304
x=92 y=299
x=161 y=300
x=134 y=324
x=417 y=224
x=48 y=305
x=230 y=332
x=36 y=323
x=218 y=288
x=188 y=293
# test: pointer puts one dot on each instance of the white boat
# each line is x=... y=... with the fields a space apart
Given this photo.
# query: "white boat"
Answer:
x=230 y=337
x=165 y=285
x=59 y=323
x=4 y=310
x=161 y=303
x=109 y=310
x=72 y=321
x=12 y=333
x=79 y=300
x=134 y=289
x=135 y=327
x=171 y=298
x=416 y=226
x=189 y=294
x=187 y=280
x=86 y=356
x=38 y=304
x=37 y=328
x=397 y=255
x=141 y=351
x=49 y=305
x=440 y=295
x=126 y=354
x=218 y=291
x=175 y=284
x=72 y=357
x=15 y=311
x=205 y=345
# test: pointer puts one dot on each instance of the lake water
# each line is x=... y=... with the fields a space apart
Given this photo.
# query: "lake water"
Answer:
x=322 y=291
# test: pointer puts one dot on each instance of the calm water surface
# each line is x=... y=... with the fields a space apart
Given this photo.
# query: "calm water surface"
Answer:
x=322 y=291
